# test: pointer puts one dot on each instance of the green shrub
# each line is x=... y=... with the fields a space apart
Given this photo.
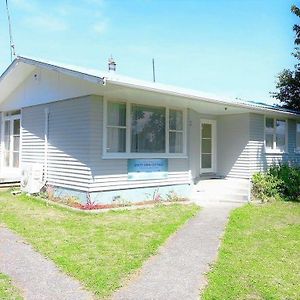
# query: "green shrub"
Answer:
x=290 y=180
x=280 y=181
x=265 y=186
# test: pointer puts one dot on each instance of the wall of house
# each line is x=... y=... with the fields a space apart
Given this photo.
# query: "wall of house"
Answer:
x=1 y=144
x=233 y=145
x=69 y=141
x=75 y=139
x=259 y=160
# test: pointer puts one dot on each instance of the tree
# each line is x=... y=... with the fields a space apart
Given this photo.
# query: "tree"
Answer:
x=288 y=83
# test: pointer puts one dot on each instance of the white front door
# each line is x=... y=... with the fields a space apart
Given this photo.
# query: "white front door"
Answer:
x=208 y=146
x=11 y=145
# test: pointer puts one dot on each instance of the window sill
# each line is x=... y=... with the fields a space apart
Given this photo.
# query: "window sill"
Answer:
x=142 y=155
x=297 y=151
x=278 y=152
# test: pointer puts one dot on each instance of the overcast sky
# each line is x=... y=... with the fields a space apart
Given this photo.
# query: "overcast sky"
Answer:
x=226 y=47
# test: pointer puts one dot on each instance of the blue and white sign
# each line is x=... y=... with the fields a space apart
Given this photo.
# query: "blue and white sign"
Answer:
x=146 y=169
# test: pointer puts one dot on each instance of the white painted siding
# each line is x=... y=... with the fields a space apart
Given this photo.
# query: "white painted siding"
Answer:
x=233 y=145
x=1 y=143
x=259 y=160
x=32 y=131
x=194 y=142
x=75 y=148
x=44 y=86
x=68 y=141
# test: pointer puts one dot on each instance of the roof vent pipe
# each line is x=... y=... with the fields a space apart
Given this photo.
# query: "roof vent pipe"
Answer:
x=111 y=65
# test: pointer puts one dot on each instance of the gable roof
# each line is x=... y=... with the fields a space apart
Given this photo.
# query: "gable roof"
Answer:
x=114 y=78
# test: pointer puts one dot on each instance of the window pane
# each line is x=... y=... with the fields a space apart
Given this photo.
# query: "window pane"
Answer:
x=206 y=161
x=206 y=130
x=116 y=140
x=16 y=142
x=116 y=114
x=7 y=135
x=176 y=120
x=269 y=141
x=280 y=142
x=148 y=129
x=269 y=123
x=6 y=158
x=16 y=127
x=206 y=146
x=176 y=142
x=16 y=160
x=280 y=126
x=298 y=140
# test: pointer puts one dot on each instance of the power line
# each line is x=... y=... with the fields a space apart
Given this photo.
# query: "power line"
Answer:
x=11 y=46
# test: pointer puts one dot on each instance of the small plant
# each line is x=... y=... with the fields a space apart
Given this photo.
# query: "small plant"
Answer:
x=119 y=201
x=156 y=197
x=173 y=197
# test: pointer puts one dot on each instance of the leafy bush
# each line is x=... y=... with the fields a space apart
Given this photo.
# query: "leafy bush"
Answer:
x=290 y=180
x=265 y=186
x=280 y=181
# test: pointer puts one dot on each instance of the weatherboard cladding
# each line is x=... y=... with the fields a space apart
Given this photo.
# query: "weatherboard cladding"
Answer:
x=75 y=148
x=233 y=145
x=1 y=115
x=259 y=160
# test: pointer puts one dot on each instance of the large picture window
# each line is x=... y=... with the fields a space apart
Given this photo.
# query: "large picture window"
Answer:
x=275 y=134
x=143 y=129
x=148 y=127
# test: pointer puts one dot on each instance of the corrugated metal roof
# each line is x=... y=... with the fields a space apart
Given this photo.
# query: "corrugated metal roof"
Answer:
x=115 y=78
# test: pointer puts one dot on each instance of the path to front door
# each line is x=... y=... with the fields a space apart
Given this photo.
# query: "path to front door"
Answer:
x=178 y=270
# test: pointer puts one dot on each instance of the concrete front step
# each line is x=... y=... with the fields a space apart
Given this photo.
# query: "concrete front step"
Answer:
x=222 y=190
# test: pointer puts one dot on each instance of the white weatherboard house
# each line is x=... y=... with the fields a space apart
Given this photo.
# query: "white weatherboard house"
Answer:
x=110 y=136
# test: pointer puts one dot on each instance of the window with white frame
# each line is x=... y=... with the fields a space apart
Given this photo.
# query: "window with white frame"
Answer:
x=275 y=134
x=298 y=136
x=147 y=129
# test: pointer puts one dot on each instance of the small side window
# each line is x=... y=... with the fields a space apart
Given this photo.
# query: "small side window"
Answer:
x=298 y=137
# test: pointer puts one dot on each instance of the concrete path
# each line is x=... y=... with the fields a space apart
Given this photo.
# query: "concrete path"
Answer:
x=178 y=271
x=37 y=277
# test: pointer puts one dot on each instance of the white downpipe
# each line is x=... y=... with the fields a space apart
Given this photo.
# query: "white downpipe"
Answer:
x=46 y=144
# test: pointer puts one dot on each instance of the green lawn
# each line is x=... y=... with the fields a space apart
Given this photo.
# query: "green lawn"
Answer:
x=259 y=256
x=7 y=290
x=100 y=250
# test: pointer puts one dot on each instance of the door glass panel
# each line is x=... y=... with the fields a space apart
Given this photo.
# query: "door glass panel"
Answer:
x=11 y=143
x=206 y=146
x=16 y=127
x=15 y=160
x=206 y=161
x=7 y=135
x=206 y=130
